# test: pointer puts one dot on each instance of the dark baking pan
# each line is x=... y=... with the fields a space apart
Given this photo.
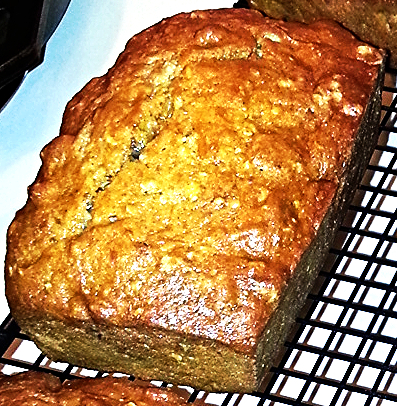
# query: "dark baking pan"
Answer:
x=25 y=27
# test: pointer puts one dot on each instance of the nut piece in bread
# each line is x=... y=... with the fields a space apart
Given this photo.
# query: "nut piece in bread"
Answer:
x=178 y=221
x=39 y=388
x=373 y=21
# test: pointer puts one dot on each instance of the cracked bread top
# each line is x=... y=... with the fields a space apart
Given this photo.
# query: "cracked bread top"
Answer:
x=187 y=182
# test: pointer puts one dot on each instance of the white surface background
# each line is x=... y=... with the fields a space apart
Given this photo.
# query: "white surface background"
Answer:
x=86 y=44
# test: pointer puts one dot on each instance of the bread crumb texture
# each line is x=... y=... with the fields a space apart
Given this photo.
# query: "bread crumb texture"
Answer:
x=188 y=181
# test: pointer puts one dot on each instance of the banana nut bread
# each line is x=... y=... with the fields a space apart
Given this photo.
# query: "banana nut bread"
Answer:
x=178 y=221
x=373 y=21
x=39 y=388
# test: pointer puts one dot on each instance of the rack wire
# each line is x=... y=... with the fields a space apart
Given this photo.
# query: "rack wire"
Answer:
x=344 y=349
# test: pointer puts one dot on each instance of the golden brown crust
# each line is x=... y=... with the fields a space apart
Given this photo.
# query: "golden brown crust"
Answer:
x=373 y=21
x=41 y=388
x=184 y=189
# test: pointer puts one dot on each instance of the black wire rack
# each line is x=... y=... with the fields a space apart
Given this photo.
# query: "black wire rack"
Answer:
x=343 y=351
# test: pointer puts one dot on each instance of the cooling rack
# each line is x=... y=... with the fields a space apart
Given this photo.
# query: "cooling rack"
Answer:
x=343 y=350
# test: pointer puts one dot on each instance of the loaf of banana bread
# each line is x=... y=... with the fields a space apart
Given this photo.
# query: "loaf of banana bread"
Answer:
x=181 y=216
x=373 y=21
x=39 y=388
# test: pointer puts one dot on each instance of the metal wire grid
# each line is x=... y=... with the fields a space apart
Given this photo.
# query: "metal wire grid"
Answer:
x=344 y=351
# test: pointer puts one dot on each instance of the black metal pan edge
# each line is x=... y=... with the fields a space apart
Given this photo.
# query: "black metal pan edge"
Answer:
x=25 y=28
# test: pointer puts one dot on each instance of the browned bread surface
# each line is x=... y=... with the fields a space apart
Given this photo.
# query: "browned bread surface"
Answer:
x=374 y=21
x=39 y=388
x=179 y=219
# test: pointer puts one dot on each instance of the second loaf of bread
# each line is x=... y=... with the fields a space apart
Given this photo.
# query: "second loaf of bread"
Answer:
x=373 y=21
x=33 y=388
x=180 y=218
